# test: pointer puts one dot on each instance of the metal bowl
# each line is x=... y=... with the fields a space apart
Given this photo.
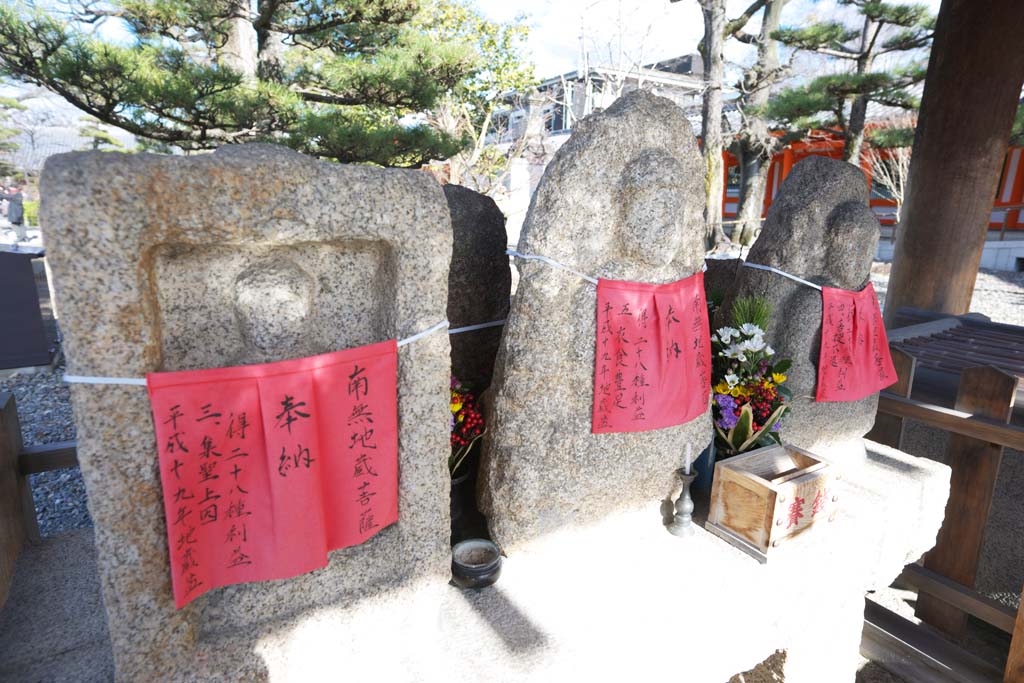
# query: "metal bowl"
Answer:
x=476 y=563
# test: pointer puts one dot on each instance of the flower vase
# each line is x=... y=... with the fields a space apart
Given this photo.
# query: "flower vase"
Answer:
x=704 y=466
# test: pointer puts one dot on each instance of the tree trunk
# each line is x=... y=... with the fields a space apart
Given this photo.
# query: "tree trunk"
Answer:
x=711 y=118
x=753 y=203
x=756 y=141
x=855 y=130
x=239 y=52
x=967 y=110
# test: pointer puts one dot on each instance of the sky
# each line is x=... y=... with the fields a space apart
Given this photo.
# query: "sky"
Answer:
x=632 y=31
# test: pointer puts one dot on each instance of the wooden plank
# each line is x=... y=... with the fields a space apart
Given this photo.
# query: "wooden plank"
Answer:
x=981 y=606
x=1015 y=660
x=12 y=524
x=61 y=455
x=925 y=329
x=956 y=421
x=888 y=429
x=975 y=463
x=916 y=654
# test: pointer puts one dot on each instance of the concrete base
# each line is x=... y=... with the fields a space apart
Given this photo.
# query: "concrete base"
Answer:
x=621 y=599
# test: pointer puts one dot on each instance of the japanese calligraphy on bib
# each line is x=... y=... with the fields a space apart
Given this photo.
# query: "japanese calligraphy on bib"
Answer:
x=652 y=363
x=854 y=361
x=266 y=468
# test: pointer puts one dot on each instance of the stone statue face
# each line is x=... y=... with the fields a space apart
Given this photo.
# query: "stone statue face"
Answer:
x=273 y=301
x=654 y=209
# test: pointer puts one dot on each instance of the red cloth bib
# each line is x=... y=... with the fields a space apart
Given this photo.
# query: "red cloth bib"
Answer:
x=854 y=361
x=266 y=468
x=652 y=364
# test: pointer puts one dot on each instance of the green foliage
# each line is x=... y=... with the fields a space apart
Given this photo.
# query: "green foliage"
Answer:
x=338 y=79
x=1017 y=132
x=31 y=208
x=98 y=137
x=887 y=138
x=840 y=100
x=7 y=105
x=816 y=36
x=754 y=310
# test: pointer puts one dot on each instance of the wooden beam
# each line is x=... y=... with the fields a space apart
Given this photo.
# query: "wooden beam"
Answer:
x=955 y=421
x=61 y=455
x=1015 y=660
x=967 y=109
x=975 y=464
x=12 y=524
x=888 y=428
x=977 y=605
x=917 y=654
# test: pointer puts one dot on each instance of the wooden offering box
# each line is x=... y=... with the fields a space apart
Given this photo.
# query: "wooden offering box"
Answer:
x=767 y=496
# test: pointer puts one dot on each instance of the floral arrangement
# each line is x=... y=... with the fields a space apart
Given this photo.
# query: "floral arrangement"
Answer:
x=749 y=399
x=467 y=424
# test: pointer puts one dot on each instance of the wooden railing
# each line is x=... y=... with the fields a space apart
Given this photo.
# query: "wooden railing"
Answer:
x=979 y=431
x=18 y=522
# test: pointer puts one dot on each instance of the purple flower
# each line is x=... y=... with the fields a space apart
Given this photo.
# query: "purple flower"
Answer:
x=726 y=404
x=775 y=427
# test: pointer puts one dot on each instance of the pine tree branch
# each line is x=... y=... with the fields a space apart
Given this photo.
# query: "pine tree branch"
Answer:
x=734 y=27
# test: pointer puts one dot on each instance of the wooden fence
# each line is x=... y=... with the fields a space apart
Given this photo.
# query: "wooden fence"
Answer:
x=979 y=431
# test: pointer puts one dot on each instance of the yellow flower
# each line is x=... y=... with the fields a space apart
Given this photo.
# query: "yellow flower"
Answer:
x=456 y=405
x=738 y=391
x=722 y=387
x=778 y=377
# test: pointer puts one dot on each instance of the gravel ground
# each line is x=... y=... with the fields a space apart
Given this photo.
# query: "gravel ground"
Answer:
x=998 y=294
x=44 y=409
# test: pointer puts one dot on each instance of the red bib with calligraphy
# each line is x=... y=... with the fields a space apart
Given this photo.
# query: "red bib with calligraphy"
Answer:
x=652 y=363
x=266 y=468
x=854 y=361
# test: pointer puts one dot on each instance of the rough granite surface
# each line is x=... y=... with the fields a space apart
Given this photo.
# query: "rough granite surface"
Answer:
x=819 y=228
x=479 y=283
x=622 y=199
x=253 y=253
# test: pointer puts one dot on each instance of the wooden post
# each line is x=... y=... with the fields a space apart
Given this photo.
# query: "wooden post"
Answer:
x=888 y=429
x=1015 y=660
x=12 y=521
x=970 y=97
x=989 y=392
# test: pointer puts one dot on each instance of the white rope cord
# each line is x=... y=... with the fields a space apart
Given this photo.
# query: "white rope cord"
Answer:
x=481 y=326
x=783 y=274
x=420 y=335
x=550 y=262
x=82 y=379
x=141 y=381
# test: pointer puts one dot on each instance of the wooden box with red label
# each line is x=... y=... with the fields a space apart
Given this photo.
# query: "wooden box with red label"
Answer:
x=766 y=497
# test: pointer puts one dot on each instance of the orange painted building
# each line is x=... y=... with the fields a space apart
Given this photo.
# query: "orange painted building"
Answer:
x=825 y=143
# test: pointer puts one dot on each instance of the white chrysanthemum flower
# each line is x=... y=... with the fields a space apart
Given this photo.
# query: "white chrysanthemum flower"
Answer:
x=751 y=329
x=769 y=350
x=731 y=379
x=752 y=344
x=735 y=352
x=727 y=333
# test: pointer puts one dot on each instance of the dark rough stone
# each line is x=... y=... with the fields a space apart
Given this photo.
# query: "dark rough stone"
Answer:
x=820 y=228
x=479 y=283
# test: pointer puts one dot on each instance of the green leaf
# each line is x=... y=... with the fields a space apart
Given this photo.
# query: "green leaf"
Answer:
x=744 y=426
x=766 y=429
x=784 y=391
x=782 y=365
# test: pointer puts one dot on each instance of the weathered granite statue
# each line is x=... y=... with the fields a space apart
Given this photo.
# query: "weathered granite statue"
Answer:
x=623 y=199
x=250 y=254
x=479 y=283
x=819 y=228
